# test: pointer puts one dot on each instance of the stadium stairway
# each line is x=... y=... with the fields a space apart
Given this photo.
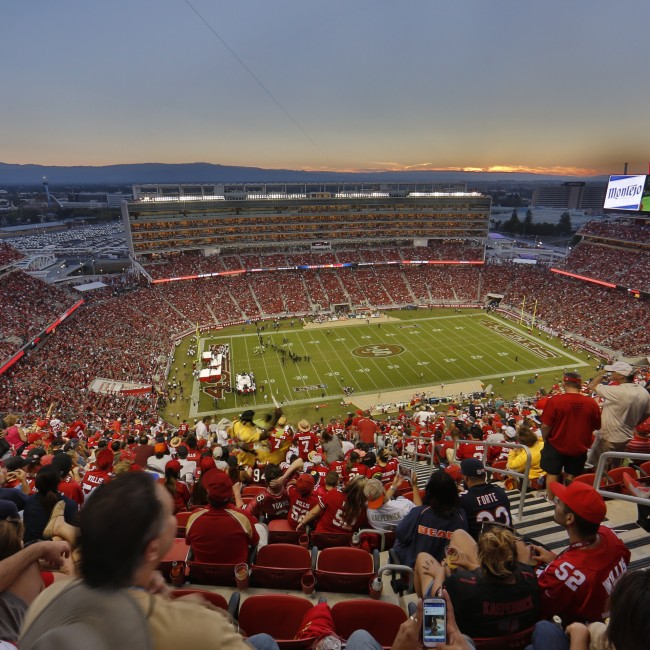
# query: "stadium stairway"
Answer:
x=537 y=525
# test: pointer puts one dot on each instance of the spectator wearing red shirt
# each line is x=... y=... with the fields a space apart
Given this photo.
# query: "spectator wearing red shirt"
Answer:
x=315 y=464
x=386 y=468
x=178 y=489
x=102 y=473
x=69 y=485
x=367 y=428
x=568 y=425
x=302 y=498
x=273 y=503
x=338 y=512
x=304 y=439
x=465 y=451
x=222 y=533
x=577 y=583
x=354 y=467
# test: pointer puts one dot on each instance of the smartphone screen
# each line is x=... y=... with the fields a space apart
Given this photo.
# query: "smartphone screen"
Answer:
x=434 y=622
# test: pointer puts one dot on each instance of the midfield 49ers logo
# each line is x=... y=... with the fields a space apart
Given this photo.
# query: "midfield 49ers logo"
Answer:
x=378 y=351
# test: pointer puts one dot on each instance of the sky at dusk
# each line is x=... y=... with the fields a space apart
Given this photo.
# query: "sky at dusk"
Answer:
x=549 y=85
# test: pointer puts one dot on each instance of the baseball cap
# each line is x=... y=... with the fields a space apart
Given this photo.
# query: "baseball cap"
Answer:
x=15 y=462
x=455 y=472
x=218 y=485
x=35 y=455
x=174 y=465
x=8 y=510
x=581 y=499
x=472 y=467
x=160 y=448
x=374 y=492
x=621 y=368
x=206 y=463
x=104 y=459
x=305 y=484
x=510 y=432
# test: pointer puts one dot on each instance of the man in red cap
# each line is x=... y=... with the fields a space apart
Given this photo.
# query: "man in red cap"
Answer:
x=102 y=473
x=568 y=424
x=577 y=583
x=302 y=498
x=222 y=533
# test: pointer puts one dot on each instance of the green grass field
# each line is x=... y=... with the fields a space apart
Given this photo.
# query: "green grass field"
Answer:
x=414 y=350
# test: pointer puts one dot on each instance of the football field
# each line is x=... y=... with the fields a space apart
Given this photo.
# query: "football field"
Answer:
x=298 y=365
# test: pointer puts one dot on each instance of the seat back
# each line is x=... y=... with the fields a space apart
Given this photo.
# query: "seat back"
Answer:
x=327 y=540
x=280 y=566
x=278 y=615
x=616 y=477
x=590 y=479
x=381 y=619
x=344 y=569
x=281 y=533
x=181 y=522
x=253 y=490
x=344 y=560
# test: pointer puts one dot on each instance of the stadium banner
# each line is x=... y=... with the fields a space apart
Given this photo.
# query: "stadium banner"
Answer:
x=625 y=192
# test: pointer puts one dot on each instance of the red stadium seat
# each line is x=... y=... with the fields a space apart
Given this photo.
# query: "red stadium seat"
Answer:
x=381 y=619
x=500 y=464
x=181 y=522
x=345 y=569
x=328 y=540
x=253 y=491
x=175 y=561
x=616 y=477
x=590 y=478
x=208 y=573
x=281 y=533
x=277 y=615
x=280 y=566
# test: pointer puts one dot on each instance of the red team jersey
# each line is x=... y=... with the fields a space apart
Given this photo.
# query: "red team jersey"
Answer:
x=387 y=473
x=357 y=469
x=299 y=505
x=93 y=479
x=577 y=584
x=331 y=521
x=274 y=506
x=306 y=441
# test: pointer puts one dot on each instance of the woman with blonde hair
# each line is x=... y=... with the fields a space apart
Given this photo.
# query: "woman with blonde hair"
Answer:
x=517 y=458
x=493 y=593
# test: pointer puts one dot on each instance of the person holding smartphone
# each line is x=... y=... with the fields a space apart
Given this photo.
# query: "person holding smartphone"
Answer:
x=493 y=592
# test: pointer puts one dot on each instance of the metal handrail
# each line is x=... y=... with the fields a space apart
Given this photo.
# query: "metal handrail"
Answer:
x=523 y=476
x=600 y=470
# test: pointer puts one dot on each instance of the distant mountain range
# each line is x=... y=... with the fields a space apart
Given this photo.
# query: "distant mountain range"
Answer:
x=11 y=174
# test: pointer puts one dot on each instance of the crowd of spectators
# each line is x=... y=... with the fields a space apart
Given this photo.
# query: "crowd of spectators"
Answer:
x=455 y=535
x=192 y=263
x=617 y=230
x=624 y=267
x=8 y=255
x=29 y=305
